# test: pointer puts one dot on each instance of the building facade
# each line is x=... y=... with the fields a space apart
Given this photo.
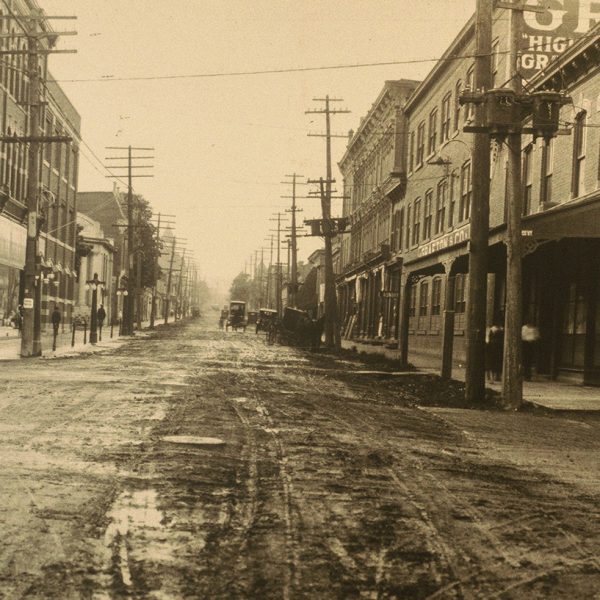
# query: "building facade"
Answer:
x=429 y=226
x=58 y=179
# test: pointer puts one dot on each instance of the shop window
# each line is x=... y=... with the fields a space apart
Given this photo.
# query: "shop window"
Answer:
x=427 y=216
x=416 y=234
x=579 y=139
x=436 y=296
x=412 y=300
x=423 y=298
x=433 y=119
x=465 y=192
x=460 y=303
x=547 y=170
x=440 y=209
x=574 y=327
x=420 y=144
x=446 y=116
x=527 y=179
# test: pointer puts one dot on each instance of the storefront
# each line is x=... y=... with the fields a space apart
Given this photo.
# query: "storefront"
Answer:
x=13 y=240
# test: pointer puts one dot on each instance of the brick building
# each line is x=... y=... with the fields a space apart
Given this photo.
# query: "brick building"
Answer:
x=429 y=220
x=58 y=179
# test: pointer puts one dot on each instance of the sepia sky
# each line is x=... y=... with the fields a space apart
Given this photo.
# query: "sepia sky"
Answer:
x=224 y=144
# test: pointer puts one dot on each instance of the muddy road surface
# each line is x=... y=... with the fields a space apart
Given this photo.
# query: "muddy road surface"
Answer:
x=195 y=463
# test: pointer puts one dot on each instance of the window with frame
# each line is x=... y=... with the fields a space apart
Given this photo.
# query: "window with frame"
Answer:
x=440 y=206
x=423 y=298
x=464 y=208
x=436 y=296
x=470 y=85
x=547 y=171
x=411 y=154
x=457 y=106
x=400 y=227
x=427 y=214
x=579 y=139
x=527 y=179
x=420 y=144
x=452 y=199
x=416 y=234
x=460 y=303
x=446 y=116
x=433 y=119
x=408 y=226
x=412 y=300
x=495 y=62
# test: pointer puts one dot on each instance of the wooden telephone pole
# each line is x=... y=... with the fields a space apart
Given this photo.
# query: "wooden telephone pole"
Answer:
x=129 y=300
x=293 y=262
x=480 y=216
x=332 y=331
x=278 y=280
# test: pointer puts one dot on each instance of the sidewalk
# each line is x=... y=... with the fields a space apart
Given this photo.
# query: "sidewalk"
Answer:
x=10 y=347
x=545 y=393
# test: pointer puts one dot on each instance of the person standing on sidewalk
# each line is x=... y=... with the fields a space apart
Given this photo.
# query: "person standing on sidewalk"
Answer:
x=530 y=336
x=101 y=315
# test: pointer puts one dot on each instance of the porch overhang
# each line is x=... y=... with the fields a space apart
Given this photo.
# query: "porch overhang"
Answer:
x=570 y=220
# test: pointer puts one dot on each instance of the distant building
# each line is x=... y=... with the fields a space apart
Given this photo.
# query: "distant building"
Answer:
x=96 y=254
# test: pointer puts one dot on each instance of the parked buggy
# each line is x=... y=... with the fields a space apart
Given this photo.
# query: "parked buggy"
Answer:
x=265 y=317
x=237 y=316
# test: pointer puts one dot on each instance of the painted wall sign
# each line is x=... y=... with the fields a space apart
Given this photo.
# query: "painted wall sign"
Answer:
x=446 y=241
x=550 y=33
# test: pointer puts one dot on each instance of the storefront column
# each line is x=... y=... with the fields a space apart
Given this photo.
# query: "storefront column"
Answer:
x=448 y=322
x=405 y=282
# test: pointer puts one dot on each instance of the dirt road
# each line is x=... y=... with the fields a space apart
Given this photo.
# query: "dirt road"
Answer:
x=317 y=482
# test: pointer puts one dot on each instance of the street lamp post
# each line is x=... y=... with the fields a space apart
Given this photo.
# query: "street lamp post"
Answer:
x=94 y=284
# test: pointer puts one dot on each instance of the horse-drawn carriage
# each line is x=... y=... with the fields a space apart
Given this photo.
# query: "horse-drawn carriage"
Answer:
x=296 y=328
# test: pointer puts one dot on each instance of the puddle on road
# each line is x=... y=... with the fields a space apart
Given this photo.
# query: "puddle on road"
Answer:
x=192 y=440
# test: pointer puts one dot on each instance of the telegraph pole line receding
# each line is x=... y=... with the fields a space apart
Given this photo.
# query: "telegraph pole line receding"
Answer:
x=293 y=287
x=278 y=280
x=129 y=301
x=332 y=331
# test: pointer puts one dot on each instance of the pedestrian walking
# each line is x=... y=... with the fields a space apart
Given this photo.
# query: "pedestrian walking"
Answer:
x=530 y=337
x=56 y=318
x=101 y=315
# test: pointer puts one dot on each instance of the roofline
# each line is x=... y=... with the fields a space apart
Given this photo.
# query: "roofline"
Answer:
x=387 y=86
x=466 y=33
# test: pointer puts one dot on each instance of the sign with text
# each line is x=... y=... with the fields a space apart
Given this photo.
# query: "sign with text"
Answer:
x=446 y=241
x=549 y=33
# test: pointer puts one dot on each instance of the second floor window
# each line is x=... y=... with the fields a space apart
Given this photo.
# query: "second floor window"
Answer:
x=433 y=119
x=547 y=170
x=579 y=139
x=446 y=116
x=427 y=216
x=440 y=208
x=452 y=199
x=470 y=84
x=408 y=229
x=421 y=143
x=416 y=234
x=411 y=152
x=527 y=179
x=457 y=107
x=464 y=208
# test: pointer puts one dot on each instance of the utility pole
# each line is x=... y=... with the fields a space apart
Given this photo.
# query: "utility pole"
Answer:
x=31 y=342
x=332 y=332
x=129 y=300
x=138 y=269
x=169 y=279
x=269 y=303
x=293 y=288
x=178 y=298
x=480 y=215
x=278 y=280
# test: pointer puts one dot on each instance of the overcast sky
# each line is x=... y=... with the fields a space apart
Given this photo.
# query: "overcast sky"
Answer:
x=224 y=144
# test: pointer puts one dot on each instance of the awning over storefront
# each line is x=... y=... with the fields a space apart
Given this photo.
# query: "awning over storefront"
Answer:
x=580 y=220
